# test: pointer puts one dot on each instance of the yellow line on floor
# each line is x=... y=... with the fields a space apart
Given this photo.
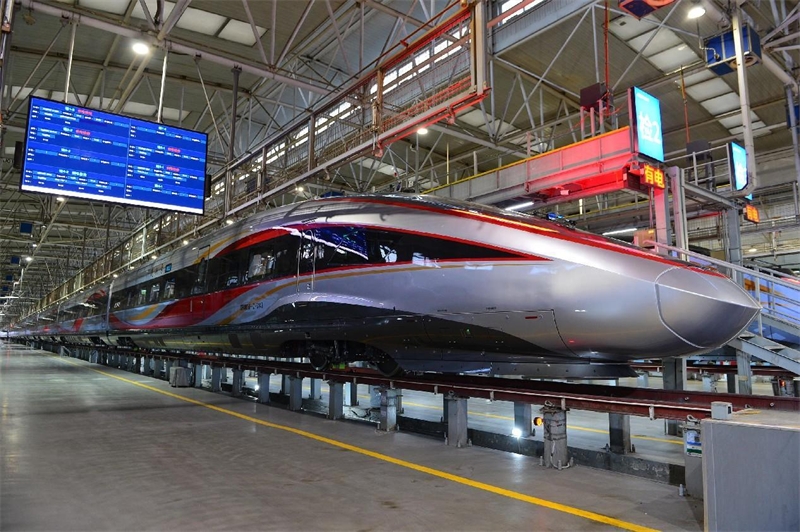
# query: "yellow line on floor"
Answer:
x=592 y=516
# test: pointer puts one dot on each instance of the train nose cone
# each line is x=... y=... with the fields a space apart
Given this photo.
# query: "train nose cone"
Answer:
x=703 y=310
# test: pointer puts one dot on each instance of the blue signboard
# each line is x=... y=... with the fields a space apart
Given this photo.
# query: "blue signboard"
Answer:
x=86 y=153
x=647 y=124
x=738 y=165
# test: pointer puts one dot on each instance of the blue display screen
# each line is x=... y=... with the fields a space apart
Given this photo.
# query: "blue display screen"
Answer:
x=648 y=125
x=738 y=164
x=85 y=153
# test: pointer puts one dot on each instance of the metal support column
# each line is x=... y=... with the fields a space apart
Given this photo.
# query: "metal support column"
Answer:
x=619 y=433
x=315 y=389
x=674 y=371
x=457 y=434
x=263 y=387
x=295 y=393
x=733 y=241
x=744 y=373
x=158 y=366
x=744 y=99
x=388 y=418
x=216 y=376
x=351 y=392
x=555 y=437
x=523 y=420
x=237 y=382
x=199 y=373
x=335 y=400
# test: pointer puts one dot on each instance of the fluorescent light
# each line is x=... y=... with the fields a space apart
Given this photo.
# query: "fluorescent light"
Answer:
x=140 y=48
x=519 y=206
x=60 y=198
x=229 y=221
x=28 y=259
x=422 y=131
x=752 y=250
x=696 y=11
x=620 y=231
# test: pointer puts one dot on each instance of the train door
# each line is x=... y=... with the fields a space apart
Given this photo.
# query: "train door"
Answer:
x=200 y=288
x=306 y=262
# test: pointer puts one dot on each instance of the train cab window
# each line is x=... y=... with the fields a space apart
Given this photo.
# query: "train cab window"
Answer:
x=142 y=299
x=340 y=246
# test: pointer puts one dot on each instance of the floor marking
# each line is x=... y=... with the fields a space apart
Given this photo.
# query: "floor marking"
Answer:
x=592 y=516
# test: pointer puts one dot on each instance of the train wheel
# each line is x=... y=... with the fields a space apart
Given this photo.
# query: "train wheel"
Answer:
x=388 y=366
x=319 y=361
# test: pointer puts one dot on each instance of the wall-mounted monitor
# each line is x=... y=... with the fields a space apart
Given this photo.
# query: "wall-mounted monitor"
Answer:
x=645 y=120
x=78 y=152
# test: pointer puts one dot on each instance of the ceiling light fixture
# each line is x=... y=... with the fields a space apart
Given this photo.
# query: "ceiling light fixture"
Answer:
x=140 y=48
x=520 y=206
x=422 y=131
x=696 y=10
x=60 y=198
x=28 y=259
x=752 y=250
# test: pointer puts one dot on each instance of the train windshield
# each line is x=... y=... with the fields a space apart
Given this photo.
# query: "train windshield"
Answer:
x=518 y=217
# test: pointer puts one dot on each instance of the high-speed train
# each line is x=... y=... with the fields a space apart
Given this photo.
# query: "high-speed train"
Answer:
x=415 y=283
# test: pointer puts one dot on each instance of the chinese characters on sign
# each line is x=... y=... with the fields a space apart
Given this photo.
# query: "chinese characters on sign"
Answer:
x=647 y=115
x=653 y=176
x=751 y=214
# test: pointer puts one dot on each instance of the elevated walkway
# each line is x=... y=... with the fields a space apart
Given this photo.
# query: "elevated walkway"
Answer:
x=771 y=334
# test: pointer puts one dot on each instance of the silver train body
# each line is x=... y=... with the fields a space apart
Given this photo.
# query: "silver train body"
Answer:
x=420 y=282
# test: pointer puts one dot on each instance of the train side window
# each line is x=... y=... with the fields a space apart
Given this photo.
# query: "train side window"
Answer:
x=169 y=289
x=155 y=288
x=340 y=246
x=142 y=299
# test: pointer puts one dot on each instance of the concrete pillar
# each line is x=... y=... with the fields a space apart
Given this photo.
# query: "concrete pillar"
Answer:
x=709 y=382
x=456 y=420
x=731 y=378
x=674 y=370
x=335 y=400
x=555 y=437
x=619 y=432
x=223 y=375
x=375 y=396
x=523 y=420
x=147 y=366
x=263 y=387
x=399 y=401
x=796 y=386
x=744 y=373
x=237 y=382
x=168 y=363
x=199 y=372
x=445 y=408
x=315 y=391
x=216 y=379
x=351 y=392
x=295 y=393
x=284 y=385
x=388 y=418
x=158 y=367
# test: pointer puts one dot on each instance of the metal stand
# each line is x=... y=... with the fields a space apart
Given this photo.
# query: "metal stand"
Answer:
x=555 y=437
x=335 y=400
x=263 y=387
x=457 y=434
x=388 y=418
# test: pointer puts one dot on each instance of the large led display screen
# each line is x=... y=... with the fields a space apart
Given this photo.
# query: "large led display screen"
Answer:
x=85 y=153
x=647 y=121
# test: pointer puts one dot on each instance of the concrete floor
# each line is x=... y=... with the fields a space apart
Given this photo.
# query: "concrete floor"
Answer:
x=86 y=447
